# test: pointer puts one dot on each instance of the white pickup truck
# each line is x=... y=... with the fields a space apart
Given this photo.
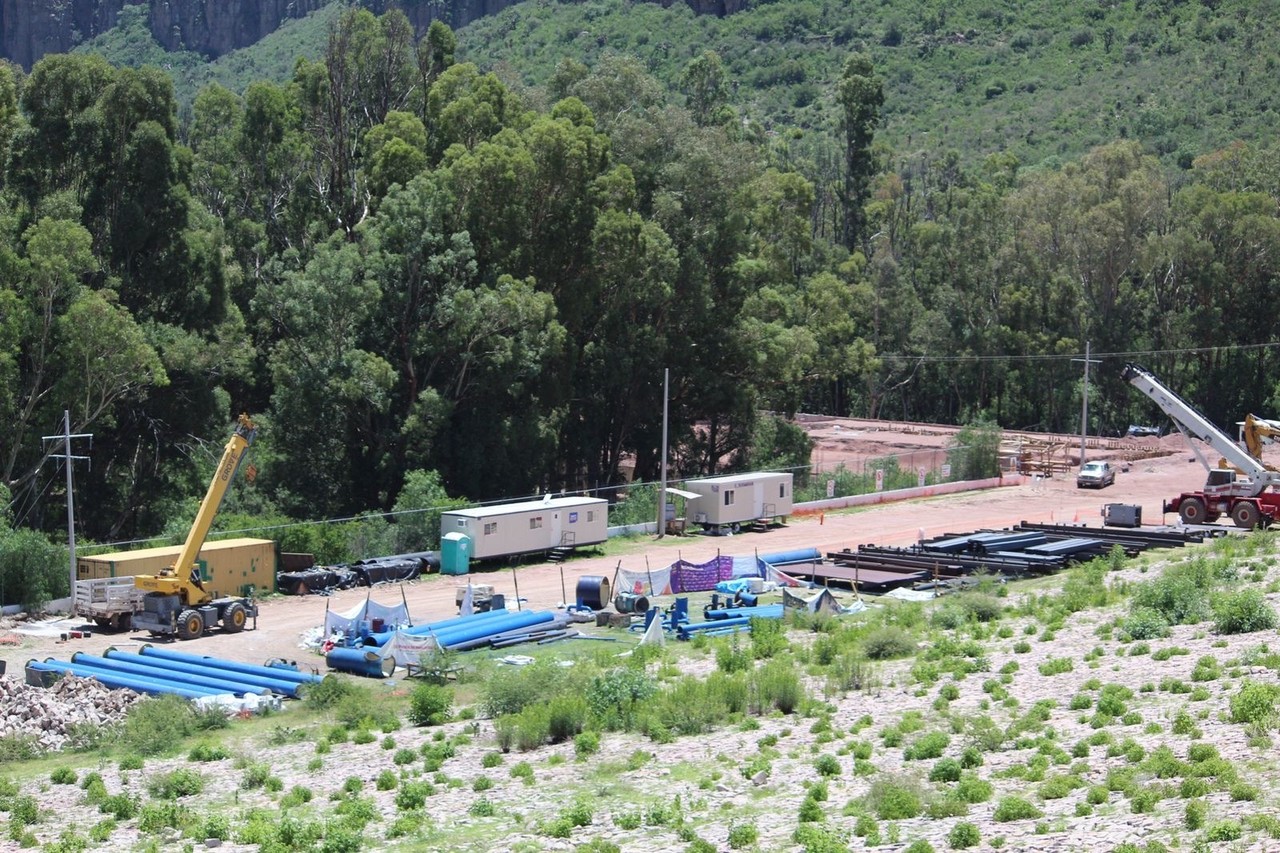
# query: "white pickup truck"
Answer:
x=109 y=602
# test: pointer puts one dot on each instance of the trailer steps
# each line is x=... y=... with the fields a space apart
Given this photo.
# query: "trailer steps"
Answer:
x=560 y=553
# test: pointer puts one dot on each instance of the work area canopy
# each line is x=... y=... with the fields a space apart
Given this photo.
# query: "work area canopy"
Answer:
x=689 y=496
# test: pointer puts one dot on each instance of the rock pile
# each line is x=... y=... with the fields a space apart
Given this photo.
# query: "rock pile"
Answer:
x=49 y=713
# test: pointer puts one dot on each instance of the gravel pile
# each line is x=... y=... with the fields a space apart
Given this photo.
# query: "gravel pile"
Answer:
x=48 y=713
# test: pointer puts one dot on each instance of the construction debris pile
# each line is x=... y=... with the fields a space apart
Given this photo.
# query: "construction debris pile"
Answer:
x=50 y=714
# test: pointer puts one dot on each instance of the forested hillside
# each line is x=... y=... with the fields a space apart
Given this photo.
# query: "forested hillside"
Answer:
x=399 y=262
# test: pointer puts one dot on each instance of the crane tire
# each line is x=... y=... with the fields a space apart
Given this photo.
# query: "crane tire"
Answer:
x=233 y=618
x=1192 y=511
x=1245 y=515
x=190 y=624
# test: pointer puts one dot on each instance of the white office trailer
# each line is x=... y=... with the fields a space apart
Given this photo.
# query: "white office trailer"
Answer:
x=527 y=527
x=737 y=499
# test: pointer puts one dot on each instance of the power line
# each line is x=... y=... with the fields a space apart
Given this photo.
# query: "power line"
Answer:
x=1026 y=357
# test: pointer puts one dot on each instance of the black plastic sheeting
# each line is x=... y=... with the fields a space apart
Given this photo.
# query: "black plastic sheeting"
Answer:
x=315 y=580
x=394 y=569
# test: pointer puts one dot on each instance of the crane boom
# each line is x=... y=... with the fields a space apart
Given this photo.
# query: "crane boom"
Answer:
x=175 y=601
x=1243 y=490
x=232 y=456
x=1192 y=424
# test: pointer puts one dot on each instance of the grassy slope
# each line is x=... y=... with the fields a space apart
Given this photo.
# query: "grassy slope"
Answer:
x=1026 y=687
x=1037 y=78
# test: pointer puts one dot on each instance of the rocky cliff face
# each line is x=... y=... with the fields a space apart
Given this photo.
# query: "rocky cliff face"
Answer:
x=31 y=28
x=215 y=27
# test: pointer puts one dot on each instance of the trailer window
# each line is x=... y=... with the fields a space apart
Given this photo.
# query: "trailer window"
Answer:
x=728 y=497
x=490 y=527
x=591 y=515
x=462 y=522
x=535 y=522
x=782 y=490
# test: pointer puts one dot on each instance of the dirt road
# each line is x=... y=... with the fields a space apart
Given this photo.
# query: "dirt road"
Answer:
x=285 y=620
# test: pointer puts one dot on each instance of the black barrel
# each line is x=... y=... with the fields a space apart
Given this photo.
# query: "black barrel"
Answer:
x=631 y=602
x=593 y=591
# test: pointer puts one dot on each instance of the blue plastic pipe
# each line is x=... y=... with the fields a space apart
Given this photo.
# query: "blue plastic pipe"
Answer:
x=764 y=611
x=254 y=683
x=466 y=633
x=360 y=662
x=381 y=638
x=230 y=665
x=717 y=625
x=195 y=679
x=119 y=680
x=802 y=555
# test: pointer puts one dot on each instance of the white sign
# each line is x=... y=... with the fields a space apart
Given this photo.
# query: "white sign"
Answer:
x=831 y=488
x=879 y=479
x=946 y=470
x=921 y=474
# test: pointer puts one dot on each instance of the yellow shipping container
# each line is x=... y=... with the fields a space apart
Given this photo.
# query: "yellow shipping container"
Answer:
x=227 y=566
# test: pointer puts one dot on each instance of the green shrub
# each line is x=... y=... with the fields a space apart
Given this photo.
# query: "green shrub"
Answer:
x=972 y=789
x=182 y=782
x=566 y=717
x=1056 y=666
x=1145 y=623
x=1015 y=808
x=1194 y=815
x=63 y=776
x=157 y=724
x=946 y=770
x=888 y=642
x=586 y=743
x=827 y=765
x=205 y=751
x=1242 y=612
x=963 y=836
x=413 y=795
x=482 y=808
x=522 y=770
x=615 y=697
x=742 y=835
x=430 y=704
x=894 y=798
x=328 y=692
x=811 y=811
x=1255 y=702
x=920 y=845
x=387 y=780
x=928 y=746
x=776 y=685
x=971 y=757
x=1223 y=830
x=1180 y=595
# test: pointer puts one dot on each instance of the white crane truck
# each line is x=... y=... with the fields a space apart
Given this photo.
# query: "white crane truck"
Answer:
x=1243 y=489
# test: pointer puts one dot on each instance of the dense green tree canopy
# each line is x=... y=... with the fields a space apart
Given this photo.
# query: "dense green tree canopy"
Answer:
x=400 y=263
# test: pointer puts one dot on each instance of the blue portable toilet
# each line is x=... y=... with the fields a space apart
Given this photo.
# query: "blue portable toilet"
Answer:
x=455 y=554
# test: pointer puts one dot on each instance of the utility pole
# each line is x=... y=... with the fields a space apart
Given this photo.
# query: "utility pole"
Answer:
x=65 y=437
x=662 y=490
x=1084 y=403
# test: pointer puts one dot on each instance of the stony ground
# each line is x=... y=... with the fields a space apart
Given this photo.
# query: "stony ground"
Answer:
x=633 y=775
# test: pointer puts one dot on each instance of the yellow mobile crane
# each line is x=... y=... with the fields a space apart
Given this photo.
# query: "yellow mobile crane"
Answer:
x=175 y=601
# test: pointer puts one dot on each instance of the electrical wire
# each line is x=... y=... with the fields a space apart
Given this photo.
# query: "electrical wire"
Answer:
x=1028 y=357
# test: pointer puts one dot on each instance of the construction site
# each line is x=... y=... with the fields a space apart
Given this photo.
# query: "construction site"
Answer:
x=854 y=561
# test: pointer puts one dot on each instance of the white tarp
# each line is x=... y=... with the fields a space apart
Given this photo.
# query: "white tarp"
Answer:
x=407 y=648
x=366 y=611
